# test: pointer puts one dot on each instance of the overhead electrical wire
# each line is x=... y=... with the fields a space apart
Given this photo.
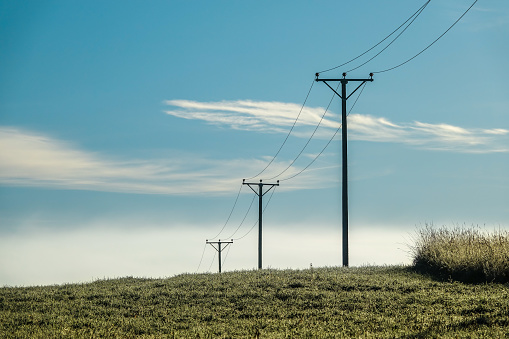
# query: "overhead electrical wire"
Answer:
x=311 y=137
x=431 y=44
x=239 y=238
x=231 y=212
x=270 y=162
x=412 y=18
x=245 y=216
x=226 y=256
x=387 y=37
x=228 y=219
x=213 y=258
x=393 y=40
x=291 y=177
x=330 y=140
x=252 y=227
x=267 y=166
x=288 y=135
x=201 y=259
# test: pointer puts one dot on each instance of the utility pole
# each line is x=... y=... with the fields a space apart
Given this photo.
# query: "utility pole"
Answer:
x=219 y=249
x=260 y=195
x=344 y=97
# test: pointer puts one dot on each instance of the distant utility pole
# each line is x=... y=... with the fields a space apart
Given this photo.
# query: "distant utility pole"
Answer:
x=219 y=249
x=344 y=97
x=260 y=195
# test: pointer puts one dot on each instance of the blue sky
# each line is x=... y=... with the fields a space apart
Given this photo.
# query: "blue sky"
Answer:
x=126 y=130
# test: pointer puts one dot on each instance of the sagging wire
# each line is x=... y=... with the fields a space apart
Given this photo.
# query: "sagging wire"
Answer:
x=431 y=44
x=287 y=136
x=266 y=205
x=210 y=267
x=245 y=216
x=330 y=140
x=312 y=135
x=387 y=37
x=201 y=259
x=229 y=216
x=403 y=31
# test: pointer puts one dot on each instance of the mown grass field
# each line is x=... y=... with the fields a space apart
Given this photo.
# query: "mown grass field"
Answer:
x=368 y=302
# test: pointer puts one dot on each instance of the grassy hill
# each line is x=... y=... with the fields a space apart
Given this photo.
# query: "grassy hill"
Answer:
x=367 y=302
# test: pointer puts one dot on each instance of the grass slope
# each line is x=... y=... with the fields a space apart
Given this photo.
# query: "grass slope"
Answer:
x=377 y=302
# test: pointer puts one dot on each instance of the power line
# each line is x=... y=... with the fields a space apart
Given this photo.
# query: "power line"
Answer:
x=249 y=209
x=231 y=212
x=330 y=140
x=344 y=168
x=390 y=43
x=201 y=259
x=397 y=29
x=219 y=248
x=271 y=161
x=226 y=256
x=431 y=44
x=252 y=227
x=307 y=143
x=214 y=257
x=412 y=18
x=238 y=194
x=260 y=193
x=266 y=205
x=288 y=135
x=273 y=191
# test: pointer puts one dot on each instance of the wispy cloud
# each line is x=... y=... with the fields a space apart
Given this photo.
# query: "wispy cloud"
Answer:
x=440 y=137
x=276 y=117
x=33 y=159
x=29 y=158
x=248 y=115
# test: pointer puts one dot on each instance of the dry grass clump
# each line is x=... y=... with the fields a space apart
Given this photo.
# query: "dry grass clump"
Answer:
x=464 y=254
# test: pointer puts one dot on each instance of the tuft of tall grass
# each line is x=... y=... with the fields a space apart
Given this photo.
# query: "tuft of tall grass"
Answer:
x=464 y=254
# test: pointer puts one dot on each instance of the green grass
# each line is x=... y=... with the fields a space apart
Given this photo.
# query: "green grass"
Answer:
x=367 y=302
x=464 y=254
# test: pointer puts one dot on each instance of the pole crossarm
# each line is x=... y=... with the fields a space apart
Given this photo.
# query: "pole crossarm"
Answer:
x=251 y=184
x=219 y=249
x=260 y=195
x=317 y=75
x=344 y=80
x=219 y=242
x=344 y=97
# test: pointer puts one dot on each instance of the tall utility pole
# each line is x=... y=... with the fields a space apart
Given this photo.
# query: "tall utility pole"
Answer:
x=344 y=97
x=260 y=195
x=219 y=249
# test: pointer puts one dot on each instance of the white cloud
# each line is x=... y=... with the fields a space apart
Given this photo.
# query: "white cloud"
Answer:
x=28 y=158
x=277 y=117
x=249 y=115
x=498 y=131
x=32 y=159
